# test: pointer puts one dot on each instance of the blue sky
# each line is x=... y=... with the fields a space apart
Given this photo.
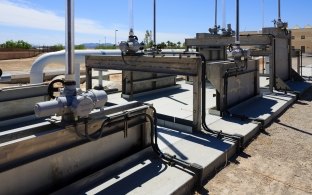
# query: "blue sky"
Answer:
x=42 y=21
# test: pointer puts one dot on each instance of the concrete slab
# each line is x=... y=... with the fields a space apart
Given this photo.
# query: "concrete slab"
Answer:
x=299 y=87
x=145 y=173
x=176 y=103
x=264 y=108
x=234 y=126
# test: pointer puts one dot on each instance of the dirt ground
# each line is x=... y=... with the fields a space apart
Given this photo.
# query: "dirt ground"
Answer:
x=278 y=161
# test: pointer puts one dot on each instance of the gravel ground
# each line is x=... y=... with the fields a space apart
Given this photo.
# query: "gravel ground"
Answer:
x=278 y=161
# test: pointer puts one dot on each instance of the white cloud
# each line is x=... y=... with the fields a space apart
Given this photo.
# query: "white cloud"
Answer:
x=21 y=14
x=14 y=14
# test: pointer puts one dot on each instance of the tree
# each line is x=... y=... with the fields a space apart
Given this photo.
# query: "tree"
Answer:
x=102 y=46
x=20 y=44
x=179 y=44
x=162 y=45
x=168 y=44
x=81 y=46
x=57 y=47
x=148 y=39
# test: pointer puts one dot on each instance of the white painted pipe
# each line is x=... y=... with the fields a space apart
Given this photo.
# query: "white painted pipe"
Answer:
x=5 y=78
x=36 y=71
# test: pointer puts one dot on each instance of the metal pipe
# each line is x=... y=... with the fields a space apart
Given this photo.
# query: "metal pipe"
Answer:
x=36 y=71
x=237 y=38
x=279 y=10
x=5 y=78
x=70 y=71
x=216 y=12
x=301 y=63
x=116 y=38
x=154 y=23
x=131 y=26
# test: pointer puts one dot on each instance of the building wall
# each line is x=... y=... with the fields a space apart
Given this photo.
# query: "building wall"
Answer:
x=302 y=39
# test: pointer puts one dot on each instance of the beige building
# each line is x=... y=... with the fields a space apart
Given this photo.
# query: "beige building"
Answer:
x=302 y=39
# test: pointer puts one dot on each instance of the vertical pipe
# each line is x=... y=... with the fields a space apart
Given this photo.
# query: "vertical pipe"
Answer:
x=154 y=23
x=131 y=15
x=289 y=54
x=69 y=56
x=298 y=64
x=301 y=63
x=279 y=10
x=216 y=12
x=116 y=38
x=100 y=78
x=237 y=38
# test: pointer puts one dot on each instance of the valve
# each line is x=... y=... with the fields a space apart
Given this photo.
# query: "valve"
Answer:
x=228 y=32
x=131 y=46
x=214 y=30
x=240 y=54
x=279 y=24
x=72 y=103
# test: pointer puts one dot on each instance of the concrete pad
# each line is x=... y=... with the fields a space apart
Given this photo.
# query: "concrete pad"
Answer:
x=176 y=103
x=264 y=108
x=235 y=126
x=200 y=148
x=299 y=87
x=144 y=173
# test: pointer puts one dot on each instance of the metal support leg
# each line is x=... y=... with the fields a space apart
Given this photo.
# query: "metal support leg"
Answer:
x=88 y=78
x=100 y=78
x=197 y=102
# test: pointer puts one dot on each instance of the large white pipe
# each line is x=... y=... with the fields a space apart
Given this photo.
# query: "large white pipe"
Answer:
x=36 y=71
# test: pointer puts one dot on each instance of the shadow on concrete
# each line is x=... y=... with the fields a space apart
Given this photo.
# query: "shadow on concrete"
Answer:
x=307 y=96
x=162 y=94
x=128 y=183
x=173 y=148
x=298 y=85
x=255 y=109
x=198 y=138
x=174 y=99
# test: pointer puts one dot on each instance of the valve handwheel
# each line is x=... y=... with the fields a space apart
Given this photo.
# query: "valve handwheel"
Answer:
x=55 y=86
